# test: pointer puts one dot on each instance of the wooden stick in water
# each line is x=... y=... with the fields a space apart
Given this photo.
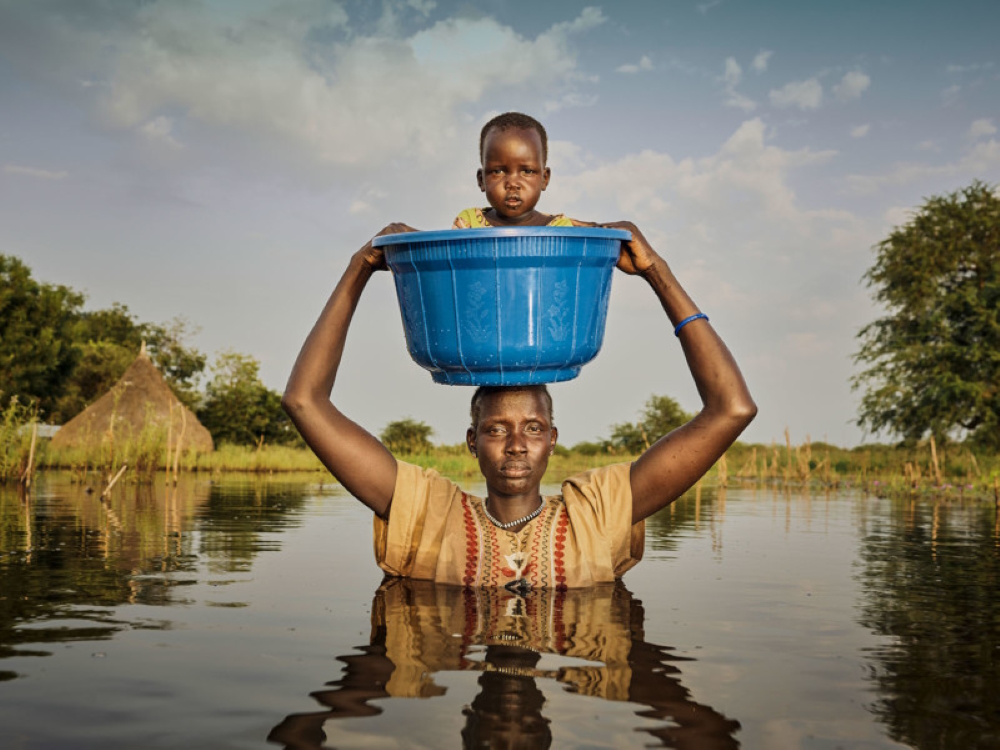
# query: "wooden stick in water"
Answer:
x=112 y=482
x=26 y=476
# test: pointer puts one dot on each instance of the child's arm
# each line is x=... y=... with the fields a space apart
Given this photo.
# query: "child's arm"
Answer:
x=353 y=455
x=677 y=460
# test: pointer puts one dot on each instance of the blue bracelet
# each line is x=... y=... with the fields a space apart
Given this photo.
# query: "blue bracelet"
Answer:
x=696 y=316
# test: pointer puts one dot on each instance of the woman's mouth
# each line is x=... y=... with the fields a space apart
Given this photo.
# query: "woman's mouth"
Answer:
x=517 y=469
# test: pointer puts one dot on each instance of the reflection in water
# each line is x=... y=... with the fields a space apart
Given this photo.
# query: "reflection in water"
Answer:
x=420 y=629
x=68 y=556
x=929 y=577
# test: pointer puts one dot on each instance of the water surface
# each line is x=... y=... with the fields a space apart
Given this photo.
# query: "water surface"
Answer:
x=250 y=614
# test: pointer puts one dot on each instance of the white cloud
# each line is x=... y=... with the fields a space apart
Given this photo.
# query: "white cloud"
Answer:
x=896 y=216
x=852 y=85
x=160 y=130
x=806 y=94
x=746 y=174
x=733 y=73
x=860 y=131
x=737 y=100
x=982 y=128
x=971 y=68
x=761 y=59
x=731 y=77
x=644 y=64
x=982 y=156
x=40 y=174
x=423 y=7
x=703 y=8
x=263 y=80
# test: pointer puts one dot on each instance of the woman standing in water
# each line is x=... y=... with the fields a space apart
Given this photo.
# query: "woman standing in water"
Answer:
x=426 y=527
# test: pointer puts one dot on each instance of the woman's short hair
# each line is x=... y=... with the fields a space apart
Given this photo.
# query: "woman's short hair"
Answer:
x=483 y=391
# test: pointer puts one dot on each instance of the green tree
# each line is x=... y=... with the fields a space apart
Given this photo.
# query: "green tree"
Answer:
x=36 y=353
x=932 y=363
x=181 y=365
x=239 y=408
x=407 y=436
x=660 y=415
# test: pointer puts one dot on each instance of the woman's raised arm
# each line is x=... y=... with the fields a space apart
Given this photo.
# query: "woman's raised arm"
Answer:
x=353 y=455
x=679 y=459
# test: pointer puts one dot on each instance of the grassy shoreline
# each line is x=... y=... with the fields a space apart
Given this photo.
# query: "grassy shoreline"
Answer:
x=949 y=471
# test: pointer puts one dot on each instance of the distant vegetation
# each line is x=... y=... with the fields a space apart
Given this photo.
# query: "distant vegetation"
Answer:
x=58 y=358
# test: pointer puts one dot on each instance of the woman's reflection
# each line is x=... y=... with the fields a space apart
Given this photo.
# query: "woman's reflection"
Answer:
x=420 y=628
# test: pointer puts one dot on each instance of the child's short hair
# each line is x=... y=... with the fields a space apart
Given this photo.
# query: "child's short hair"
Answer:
x=512 y=121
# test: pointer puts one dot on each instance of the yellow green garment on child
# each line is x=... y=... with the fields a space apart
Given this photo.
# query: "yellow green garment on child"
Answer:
x=472 y=218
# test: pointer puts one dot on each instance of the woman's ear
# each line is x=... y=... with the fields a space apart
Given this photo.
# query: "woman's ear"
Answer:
x=552 y=441
x=546 y=176
x=482 y=185
x=470 y=440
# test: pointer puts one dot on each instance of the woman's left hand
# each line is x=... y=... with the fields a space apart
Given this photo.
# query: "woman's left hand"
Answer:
x=636 y=256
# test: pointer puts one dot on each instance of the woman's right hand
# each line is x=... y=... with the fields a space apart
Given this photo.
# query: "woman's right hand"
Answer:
x=374 y=256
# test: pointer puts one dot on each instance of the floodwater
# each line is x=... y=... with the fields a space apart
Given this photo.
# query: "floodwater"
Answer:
x=235 y=613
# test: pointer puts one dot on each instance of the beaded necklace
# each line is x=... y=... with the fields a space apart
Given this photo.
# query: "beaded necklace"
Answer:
x=515 y=522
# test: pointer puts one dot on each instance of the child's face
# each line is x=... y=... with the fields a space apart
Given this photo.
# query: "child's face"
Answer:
x=513 y=174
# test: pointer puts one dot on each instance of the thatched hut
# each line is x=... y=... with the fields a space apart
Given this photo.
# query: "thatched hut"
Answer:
x=140 y=400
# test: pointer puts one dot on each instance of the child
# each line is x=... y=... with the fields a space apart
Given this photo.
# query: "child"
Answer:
x=513 y=149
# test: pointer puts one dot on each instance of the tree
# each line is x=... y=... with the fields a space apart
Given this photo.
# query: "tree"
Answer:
x=660 y=415
x=181 y=365
x=36 y=353
x=239 y=408
x=932 y=363
x=407 y=436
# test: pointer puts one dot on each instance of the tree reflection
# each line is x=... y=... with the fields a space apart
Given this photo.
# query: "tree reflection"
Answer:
x=421 y=629
x=930 y=580
x=67 y=556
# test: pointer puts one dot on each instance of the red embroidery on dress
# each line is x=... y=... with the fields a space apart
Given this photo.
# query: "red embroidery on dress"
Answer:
x=471 y=543
x=558 y=552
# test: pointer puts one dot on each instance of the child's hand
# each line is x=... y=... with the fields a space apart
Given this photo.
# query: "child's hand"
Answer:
x=636 y=256
x=374 y=256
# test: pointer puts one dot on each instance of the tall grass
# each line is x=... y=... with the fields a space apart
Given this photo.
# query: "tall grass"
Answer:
x=18 y=441
x=951 y=469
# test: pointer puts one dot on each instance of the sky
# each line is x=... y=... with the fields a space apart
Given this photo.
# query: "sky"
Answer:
x=221 y=161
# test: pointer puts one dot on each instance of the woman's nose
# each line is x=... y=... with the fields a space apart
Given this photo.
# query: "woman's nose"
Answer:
x=516 y=443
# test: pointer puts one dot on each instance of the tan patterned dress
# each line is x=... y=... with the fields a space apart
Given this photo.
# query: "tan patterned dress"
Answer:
x=437 y=532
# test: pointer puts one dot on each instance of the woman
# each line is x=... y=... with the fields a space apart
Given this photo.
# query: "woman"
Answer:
x=426 y=527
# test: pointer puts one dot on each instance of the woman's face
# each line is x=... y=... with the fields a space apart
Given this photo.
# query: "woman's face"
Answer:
x=513 y=442
x=513 y=174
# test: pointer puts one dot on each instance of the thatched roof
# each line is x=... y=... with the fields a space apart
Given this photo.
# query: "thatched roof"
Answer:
x=140 y=399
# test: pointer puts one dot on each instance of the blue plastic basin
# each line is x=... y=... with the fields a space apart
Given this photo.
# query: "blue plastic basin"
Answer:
x=503 y=306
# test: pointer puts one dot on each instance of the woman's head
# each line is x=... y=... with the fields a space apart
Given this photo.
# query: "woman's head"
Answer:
x=513 y=149
x=484 y=392
x=512 y=436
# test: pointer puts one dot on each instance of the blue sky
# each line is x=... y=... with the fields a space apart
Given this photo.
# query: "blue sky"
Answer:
x=220 y=161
